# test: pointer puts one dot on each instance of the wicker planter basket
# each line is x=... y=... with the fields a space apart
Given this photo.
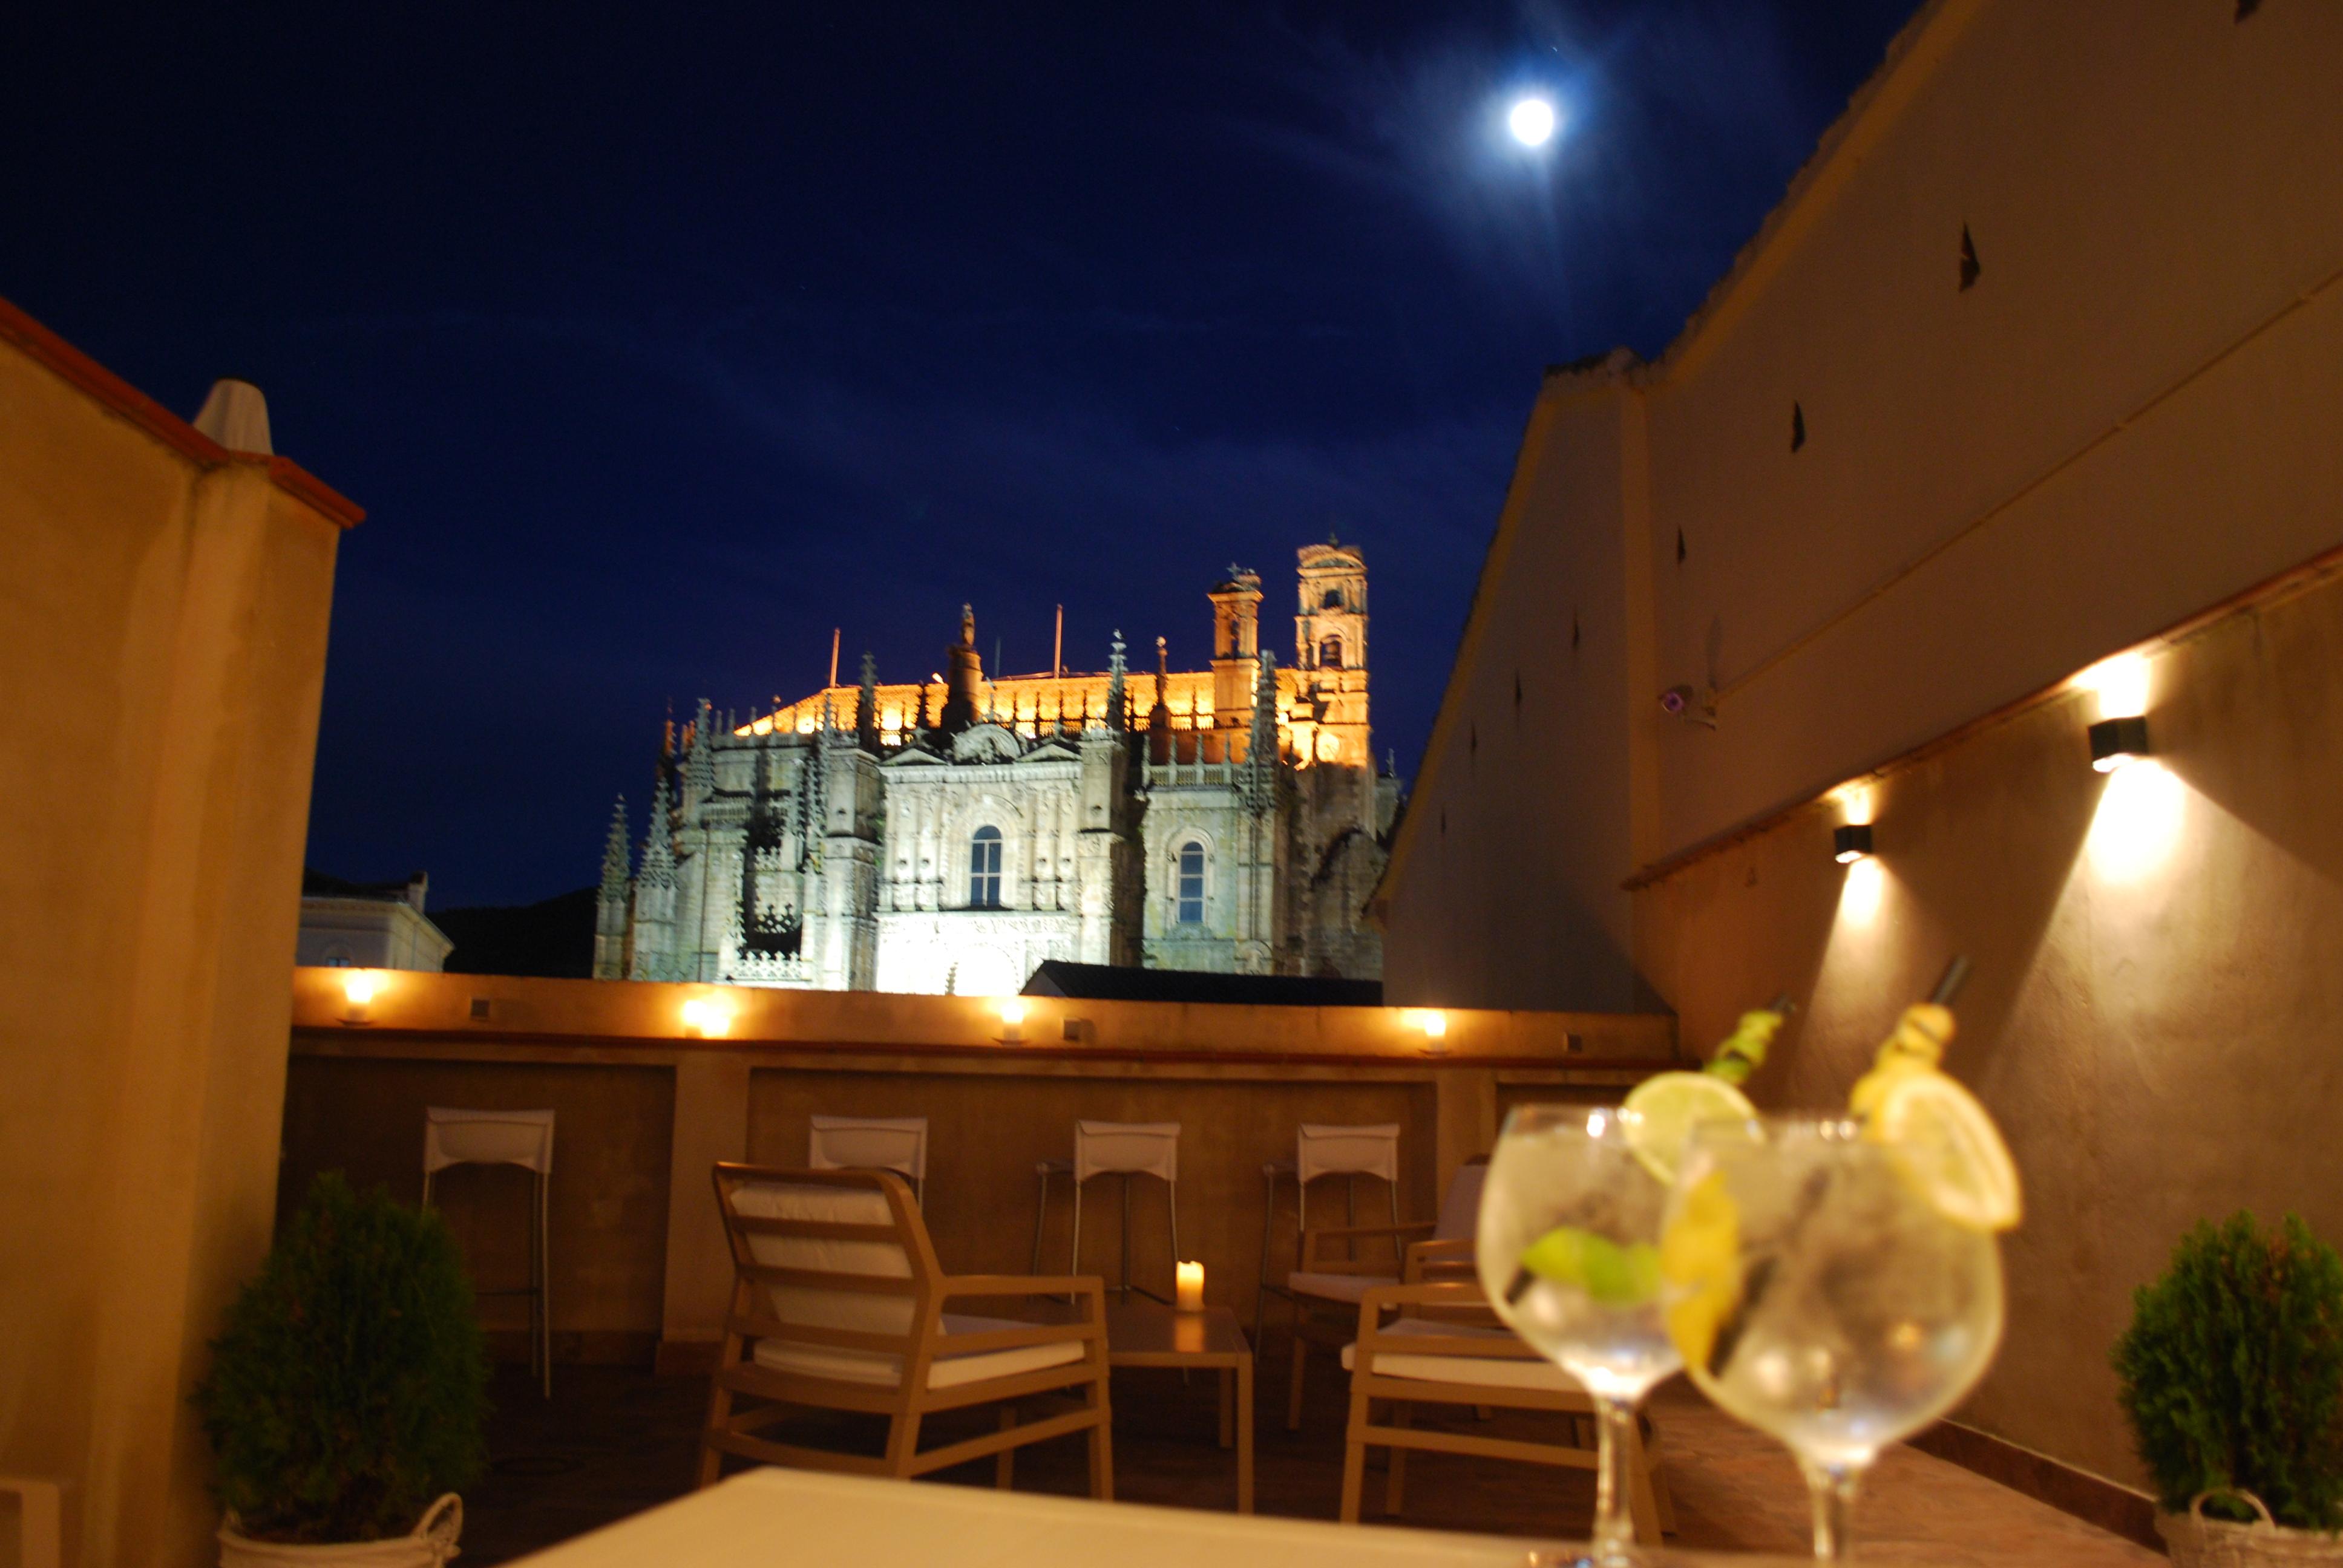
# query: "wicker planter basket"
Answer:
x=2198 y=1542
x=430 y=1545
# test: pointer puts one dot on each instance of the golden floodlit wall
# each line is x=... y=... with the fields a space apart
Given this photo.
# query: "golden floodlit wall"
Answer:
x=2040 y=361
x=166 y=604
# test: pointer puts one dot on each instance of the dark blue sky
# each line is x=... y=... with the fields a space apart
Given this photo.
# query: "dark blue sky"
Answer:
x=658 y=341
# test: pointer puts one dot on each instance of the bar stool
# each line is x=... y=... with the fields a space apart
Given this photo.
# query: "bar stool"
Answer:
x=897 y=1143
x=1324 y=1150
x=522 y=1138
x=1124 y=1149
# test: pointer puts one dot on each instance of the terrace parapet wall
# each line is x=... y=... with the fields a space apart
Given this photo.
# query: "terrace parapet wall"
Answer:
x=645 y=1108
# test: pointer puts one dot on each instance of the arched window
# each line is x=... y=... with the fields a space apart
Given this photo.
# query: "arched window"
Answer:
x=984 y=869
x=1330 y=653
x=1191 y=889
x=1333 y=600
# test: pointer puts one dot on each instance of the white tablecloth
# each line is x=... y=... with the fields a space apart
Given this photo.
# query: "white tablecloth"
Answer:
x=783 y=1518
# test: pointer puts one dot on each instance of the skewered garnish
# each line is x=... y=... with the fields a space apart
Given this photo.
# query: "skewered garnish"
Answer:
x=1656 y=1119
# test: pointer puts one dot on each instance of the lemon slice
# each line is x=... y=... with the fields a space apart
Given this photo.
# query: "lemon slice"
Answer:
x=1660 y=1111
x=1946 y=1145
x=1700 y=1260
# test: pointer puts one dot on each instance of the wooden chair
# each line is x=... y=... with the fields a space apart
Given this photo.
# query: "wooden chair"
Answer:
x=1333 y=1277
x=838 y=1303
x=1442 y=1345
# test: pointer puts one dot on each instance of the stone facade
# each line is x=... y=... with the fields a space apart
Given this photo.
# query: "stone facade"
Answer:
x=950 y=836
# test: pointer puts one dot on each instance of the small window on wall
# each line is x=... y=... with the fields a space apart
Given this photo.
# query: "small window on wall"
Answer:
x=1192 y=884
x=984 y=869
x=1333 y=600
x=1330 y=653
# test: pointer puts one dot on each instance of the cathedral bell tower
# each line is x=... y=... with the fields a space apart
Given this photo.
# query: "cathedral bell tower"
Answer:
x=1236 y=646
x=1330 y=638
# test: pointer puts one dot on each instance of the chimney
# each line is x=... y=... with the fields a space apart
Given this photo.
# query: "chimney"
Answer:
x=235 y=415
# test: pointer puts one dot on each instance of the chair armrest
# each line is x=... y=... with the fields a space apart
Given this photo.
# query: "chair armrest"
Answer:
x=1021 y=1285
x=1395 y=1235
x=1448 y=1259
x=1446 y=1299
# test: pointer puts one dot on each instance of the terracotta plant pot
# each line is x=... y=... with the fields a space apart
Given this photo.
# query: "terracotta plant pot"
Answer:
x=429 y=1545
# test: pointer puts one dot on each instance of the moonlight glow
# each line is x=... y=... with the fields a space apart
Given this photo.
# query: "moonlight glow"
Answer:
x=1531 y=121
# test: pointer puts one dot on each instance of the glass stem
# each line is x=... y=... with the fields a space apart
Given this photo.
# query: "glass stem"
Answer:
x=1833 y=1488
x=1614 y=1534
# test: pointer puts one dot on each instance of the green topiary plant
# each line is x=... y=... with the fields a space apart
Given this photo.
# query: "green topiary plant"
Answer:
x=351 y=1385
x=2232 y=1372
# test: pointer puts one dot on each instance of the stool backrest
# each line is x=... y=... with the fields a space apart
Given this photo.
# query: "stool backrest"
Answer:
x=459 y=1137
x=1322 y=1149
x=898 y=1143
x=1139 y=1148
x=840 y=1258
x=1460 y=1210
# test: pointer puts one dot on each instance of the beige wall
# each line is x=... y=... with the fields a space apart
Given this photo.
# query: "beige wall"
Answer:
x=166 y=607
x=2154 y=1016
x=643 y=1110
x=2128 y=421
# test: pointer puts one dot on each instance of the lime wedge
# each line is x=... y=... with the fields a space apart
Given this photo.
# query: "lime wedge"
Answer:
x=1614 y=1275
x=1947 y=1147
x=1658 y=1115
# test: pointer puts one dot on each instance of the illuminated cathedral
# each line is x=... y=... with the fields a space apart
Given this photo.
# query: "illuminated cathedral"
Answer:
x=950 y=835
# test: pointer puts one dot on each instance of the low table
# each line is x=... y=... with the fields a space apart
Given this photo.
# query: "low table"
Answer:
x=1145 y=1333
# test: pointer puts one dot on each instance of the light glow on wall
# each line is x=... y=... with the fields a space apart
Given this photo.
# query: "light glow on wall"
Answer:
x=706 y=1016
x=2121 y=684
x=2140 y=820
x=1864 y=891
x=360 y=986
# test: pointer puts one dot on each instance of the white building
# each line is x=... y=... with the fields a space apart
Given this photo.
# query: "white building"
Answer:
x=368 y=925
x=952 y=834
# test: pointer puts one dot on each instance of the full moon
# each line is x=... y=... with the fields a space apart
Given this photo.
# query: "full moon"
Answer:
x=1531 y=122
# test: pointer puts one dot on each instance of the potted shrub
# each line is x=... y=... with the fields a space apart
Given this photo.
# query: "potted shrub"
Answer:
x=346 y=1401
x=2232 y=1378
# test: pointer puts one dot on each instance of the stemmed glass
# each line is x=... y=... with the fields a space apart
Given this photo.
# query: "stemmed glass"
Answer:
x=1819 y=1294
x=1567 y=1251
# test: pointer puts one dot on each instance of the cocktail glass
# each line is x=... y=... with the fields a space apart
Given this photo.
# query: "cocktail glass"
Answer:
x=1569 y=1169
x=1819 y=1295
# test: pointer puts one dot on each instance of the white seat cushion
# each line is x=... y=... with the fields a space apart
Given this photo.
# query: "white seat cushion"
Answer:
x=1336 y=1287
x=947 y=1371
x=1485 y=1372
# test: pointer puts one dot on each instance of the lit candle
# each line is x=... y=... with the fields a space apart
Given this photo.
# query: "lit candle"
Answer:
x=1189 y=1292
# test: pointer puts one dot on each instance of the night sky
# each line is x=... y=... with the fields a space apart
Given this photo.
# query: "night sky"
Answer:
x=657 y=341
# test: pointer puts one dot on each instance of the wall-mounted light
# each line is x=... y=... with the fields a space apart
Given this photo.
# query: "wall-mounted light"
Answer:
x=1850 y=842
x=2115 y=741
x=1432 y=1024
x=1011 y=1010
x=360 y=987
x=706 y=1016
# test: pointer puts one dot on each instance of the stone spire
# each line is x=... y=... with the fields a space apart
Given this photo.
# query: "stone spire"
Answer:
x=699 y=775
x=1260 y=749
x=614 y=856
x=1158 y=717
x=610 y=907
x=658 y=844
x=1114 y=697
x=866 y=708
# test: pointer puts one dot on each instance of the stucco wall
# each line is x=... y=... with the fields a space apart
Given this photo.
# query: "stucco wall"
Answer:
x=166 y=609
x=2156 y=1016
x=2129 y=416
x=2129 y=420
